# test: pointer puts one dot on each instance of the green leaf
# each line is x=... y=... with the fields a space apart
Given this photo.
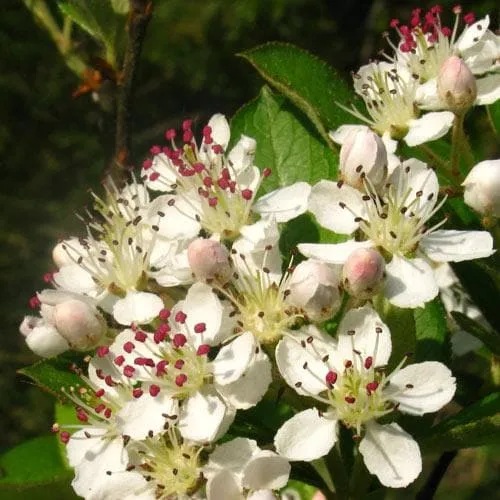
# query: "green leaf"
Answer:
x=490 y=339
x=55 y=373
x=476 y=425
x=431 y=332
x=285 y=142
x=35 y=469
x=306 y=80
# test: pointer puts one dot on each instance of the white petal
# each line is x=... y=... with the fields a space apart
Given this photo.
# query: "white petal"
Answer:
x=285 y=203
x=262 y=495
x=251 y=387
x=343 y=131
x=267 y=471
x=233 y=456
x=391 y=454
x=220 y=130
x=432 y=386
x=391 y=146
x=224 y=486
x=75 y=279
x=137 y=307
x=409 y=282
x=45 y=341
x=332 y=253
x=243 y=154
x=291 y=357
x=306 y=436
x=326 y=202
x=472 y=34
x=233 y=359
x=429 y=127
x=201 y=416
x=371 y=338
x=488 y=89
x=456 y=246
x=427 y=95
x=140 y=416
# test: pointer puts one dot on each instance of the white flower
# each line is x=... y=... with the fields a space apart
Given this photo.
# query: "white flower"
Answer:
x=482 y=188
x=395 y=222
x=239 y=468
x=215 y=189
x=427 y=43
x=389 y=91
x=349 y=379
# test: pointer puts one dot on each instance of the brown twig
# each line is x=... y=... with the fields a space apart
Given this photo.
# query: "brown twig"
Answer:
x=429 y=489
x=139 y=16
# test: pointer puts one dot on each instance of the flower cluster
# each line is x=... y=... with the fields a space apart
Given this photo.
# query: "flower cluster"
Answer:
x=189 y=314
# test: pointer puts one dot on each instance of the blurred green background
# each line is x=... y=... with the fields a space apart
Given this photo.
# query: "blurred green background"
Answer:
x=54 y=147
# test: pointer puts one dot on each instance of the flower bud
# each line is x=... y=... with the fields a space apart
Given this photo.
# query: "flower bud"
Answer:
x=209 y=259
x=314 y=287
x=363 y=273
x=363 y=154
x=43 y=339
x=456 y=85
x=482 y=188
x=80 y=324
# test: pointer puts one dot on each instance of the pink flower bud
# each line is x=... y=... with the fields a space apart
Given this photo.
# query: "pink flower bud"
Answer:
x=456 y=85
x=80 y=324
x=363 y=154
x=482 y=188
x=363 y=273
x=209 y=259
x=314 y=287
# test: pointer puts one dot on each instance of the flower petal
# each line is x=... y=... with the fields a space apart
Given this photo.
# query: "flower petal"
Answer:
x=306 y=436
x=332 y=253
x=220 y=130
x=233 y=456
x=429 y=127
x=422 y=387
x=73 y=278
x=242 y=156
x=233 y=359
x=45 y=341
x=285 y=203
x=456 y=246
x=223 y=486
x=371 y=336
x=391 y=454
x=488 y=89
x=339 y=135
x=336 y=205
x=472 y=34
x=137 y=307
x=409 y=282
x=267 y=471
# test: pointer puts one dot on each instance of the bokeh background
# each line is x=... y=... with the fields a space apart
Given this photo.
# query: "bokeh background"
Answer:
x=54 y=148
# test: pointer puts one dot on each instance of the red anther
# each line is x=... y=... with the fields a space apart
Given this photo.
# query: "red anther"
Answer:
x=128 y=347
x=266 y=172
x=155 y=150
x=179 y=340
x=181 y=379
x=457 y=9
x=154 y=176
x=331 y=377
x=348 y=363
x=140 y=336
x=180 y=317
x=212 y=202
x=186 y=172
x=225 y=174
x=100 y=408
x=223 y=183
x=200 y=327
x=187 y=124
x=207 y=130
x=34 y=302
x=350 y=399
x=405 y=31
x=159 y=336
x=469 y=18
x=203 y=192
x=163 y=328
x=394 y=23
x=139 y=361
x=128 y=371
x=247 y=194
x=170 y=134
x=137 y=393
x=64 y=437
x=208 y=181
x=437 y=9
x=109 y=381
x=368 y=362
x=232 y=186
x=154 y=390
x=102 y=351
x=149 y=362
x=187 y=136
x=177 y=162
x=164 y=314
x=202 y=350
x=146 y=164
x=119 y=360
x=446 y=31
x=161 y=367
x=107 y=412
x=100 y=393
x=47 y=277
x=217 y=149
x=82 y=416
x=100 y=373
x=198 y=167
x=371 y=387
x=179 y=364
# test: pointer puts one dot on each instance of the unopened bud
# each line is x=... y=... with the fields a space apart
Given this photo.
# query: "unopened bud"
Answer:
x=363 y=273
x=80 y=324
x=314 y=287
x=456 y=85
x=209 y=259
x=482 y=188
x=363 y=155
x=44 y=340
